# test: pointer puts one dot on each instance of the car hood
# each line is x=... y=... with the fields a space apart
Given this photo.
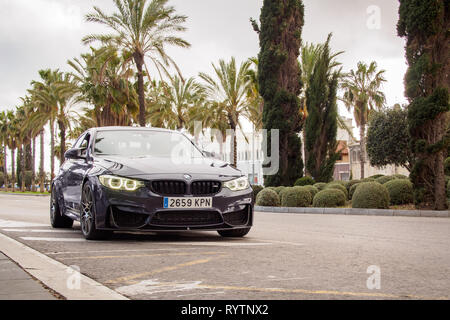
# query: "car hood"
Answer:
x=139 y=167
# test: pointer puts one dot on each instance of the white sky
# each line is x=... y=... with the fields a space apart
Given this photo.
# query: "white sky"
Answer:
x=37 y=34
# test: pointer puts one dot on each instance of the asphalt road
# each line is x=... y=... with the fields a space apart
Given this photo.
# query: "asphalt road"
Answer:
x=285 y=256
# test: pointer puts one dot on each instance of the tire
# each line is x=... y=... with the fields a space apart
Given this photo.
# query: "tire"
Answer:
x=234 y=233
x=87 y=216
x=58 y=220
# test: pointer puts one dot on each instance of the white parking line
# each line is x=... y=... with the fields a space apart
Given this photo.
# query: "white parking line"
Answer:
x=42 y=230
x=53 y=239
x=19 y=224
x=111 y=251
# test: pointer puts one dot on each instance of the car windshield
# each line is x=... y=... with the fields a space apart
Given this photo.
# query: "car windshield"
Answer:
x=140 y=143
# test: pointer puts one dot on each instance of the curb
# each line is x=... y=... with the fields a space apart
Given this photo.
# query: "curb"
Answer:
x=357 y=212
x=23 y=194
x=54 y=274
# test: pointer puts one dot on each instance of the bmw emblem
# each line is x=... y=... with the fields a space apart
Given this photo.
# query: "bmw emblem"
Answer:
x=187 y=176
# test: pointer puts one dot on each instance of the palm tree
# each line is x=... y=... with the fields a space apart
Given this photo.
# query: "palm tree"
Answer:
x=143 y=28
x=170 y=106
x=362 y=94
x=103 y=78
x=4 y=142
x=229 y=92
x=12 y=132
x=255 y=101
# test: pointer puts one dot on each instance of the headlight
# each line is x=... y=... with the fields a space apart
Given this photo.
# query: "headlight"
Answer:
x=119 y=183
x=237 y=184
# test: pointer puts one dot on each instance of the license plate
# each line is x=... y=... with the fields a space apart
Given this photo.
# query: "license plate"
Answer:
x=187 y=203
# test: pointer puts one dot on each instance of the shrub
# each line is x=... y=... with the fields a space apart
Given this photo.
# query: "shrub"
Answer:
x=2 y=179
x=279 y=189
x=371 y=195
x=329 y=198
x=368 y=180
x=400 y=191
x=305 y=181
x=256 y=189
x=400 y=176
x=376 y=176
x=448 y=190
x=312 y=190
x=296 y=197
x=320 y=186
x=352 y=183
x=267 y=198
x=384 y=179
x=338 y=186
x=447 y=166
x=352 y=190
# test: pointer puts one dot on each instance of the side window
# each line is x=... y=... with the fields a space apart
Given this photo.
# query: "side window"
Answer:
x=84 y=145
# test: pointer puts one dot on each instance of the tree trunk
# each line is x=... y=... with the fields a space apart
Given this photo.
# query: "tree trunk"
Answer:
x=62 y=132
x=362 y=147
x=33 y=166
x=139 y=60
x=41 y=163
x=5 y=170
x=13 y=169
x=22 y=169
x=52 y=149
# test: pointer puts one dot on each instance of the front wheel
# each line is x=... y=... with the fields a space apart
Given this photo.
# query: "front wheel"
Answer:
x=87 y=216
x=57 y=219
x=234 y=233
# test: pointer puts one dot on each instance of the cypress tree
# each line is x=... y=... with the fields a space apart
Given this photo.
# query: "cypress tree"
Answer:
x=425 y=24
x=321 y=124
x=279 y=78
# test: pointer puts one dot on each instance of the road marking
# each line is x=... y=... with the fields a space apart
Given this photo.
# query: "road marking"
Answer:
x=150 y=287
x=42 y=230
x=53 y=239
x=129 y=279
x=102 y=251
x=215 y=244
x=284 y=242
x=143 y=255
x=19 y=224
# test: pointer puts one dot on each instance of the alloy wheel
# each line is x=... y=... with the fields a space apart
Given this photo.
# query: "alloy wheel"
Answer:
x=87 y=207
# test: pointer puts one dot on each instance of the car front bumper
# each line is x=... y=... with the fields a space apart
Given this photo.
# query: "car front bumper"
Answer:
x=143 y=210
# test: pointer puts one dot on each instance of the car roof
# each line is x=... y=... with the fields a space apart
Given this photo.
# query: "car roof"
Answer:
x=99 y=129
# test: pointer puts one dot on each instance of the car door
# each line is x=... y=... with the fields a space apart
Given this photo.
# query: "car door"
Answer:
x=76 y=173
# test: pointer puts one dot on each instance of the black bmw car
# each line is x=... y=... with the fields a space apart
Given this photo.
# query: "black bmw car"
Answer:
x=124 y=178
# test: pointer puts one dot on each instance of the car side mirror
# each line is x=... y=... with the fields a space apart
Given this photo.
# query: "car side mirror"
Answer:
x=73 y=154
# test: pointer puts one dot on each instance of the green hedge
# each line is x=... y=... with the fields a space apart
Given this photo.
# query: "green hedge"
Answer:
x=376 y=176
x=305 y=181
x=339 y=186
x=256 y=189
x=295 y=197
x=447 y=166
x=448 y=190
x=2 y=179
x=320 y=185
x=385 y=179
x=329 y=198
x=371 y=195
x=268 y=198
x=351 y=183
x=368 y=180
x=352 y=190
x=400 y=191
x=312 y=190
x=400 y=176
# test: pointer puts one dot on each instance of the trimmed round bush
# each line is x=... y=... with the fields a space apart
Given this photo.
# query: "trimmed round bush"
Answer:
x=376 y=176
x=400 y=176
x=256 y=189
x=329 y=198
x=385 y=179
x=400 y=191
x=320 y=185
x=339 y=186
x=371 y=195
x=2 y=179
x=448 y=190
x=267 y=198
x=447 y=166
x=352 y=183
x=279 y=189
x=305 y=181
x=295 y=197
x=352 y=190
x=312 y=190
x=368 y=180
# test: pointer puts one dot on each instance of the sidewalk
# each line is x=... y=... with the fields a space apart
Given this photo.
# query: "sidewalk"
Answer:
x=16 y=284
